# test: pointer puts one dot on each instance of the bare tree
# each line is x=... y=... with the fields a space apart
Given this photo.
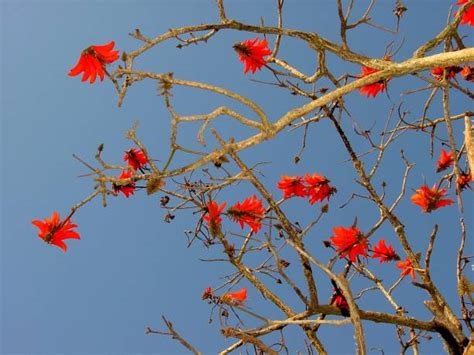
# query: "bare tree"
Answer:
x=258 y=255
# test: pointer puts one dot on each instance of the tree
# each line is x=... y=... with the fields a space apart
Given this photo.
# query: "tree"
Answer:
x=315 y=287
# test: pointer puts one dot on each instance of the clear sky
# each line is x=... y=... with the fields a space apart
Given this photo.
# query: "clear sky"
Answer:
x=130 y=267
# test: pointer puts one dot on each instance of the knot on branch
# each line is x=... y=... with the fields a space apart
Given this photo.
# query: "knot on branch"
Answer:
x=228 y=332
x=153 y=184
x=165 y=84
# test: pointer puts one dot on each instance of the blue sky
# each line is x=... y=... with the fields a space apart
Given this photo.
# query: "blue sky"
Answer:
x=130 y=267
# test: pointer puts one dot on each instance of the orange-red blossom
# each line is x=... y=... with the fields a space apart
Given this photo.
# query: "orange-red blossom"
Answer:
x=463 y=180
x=430 y=199
x=250 y=212
x=135 y=158
x=340 y=301
x=208 y=293
x=251 y=53
x=292 y=186
x=349 y=242
x=385 y=252
x=374 y=88
x=445 y=161
x=213 y=216
x=93 y=60
x=467 y=73
x=235 y=298
x=468 y=15
x=407 y=268
x=127 y=189
x=54 y=231
x=314 y=186
x=318 y=188
x=451 y=72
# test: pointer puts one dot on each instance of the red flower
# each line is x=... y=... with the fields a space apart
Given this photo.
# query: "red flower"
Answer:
x=318 y=188
x=464 y=180
x=235 y=297
x=445 y=161
x=406 y=267
x=349 y=242
x=250 y=212
x=292 y=185
x=207 y=293
x=438 y=73
x=213 y=215
x=136 y=158
x=371 y=89
x=251 y=53
x=54 y=231
x=468 y=15
x=467 y=73
x=93 y=60
x=430 y=199
x=127 y=189
x=384 y=252
x=339 y=301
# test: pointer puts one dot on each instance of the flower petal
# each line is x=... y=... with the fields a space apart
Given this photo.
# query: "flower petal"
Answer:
x=87 y=69
x=78 y=68
x=60 y=244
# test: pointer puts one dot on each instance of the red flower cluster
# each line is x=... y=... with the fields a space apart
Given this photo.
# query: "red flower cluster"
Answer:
x=213 y=216
x=127 y=189
x=251 y=53
x=467 y=72
x=451 y=71
x=384 y=252
x=468 y=15
x=250 y=212
x=430 y=199
x=407 y=268
x=349 y=242
x=315 y=186
x=135 y=158
x=339 y=300
x=235 y=298
x=464 y=180
x=93 y=60
x=371 y=89
x=292 y=186
x=445 y=161
x=318 y=188
x=208 y=293
x=54 y=231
